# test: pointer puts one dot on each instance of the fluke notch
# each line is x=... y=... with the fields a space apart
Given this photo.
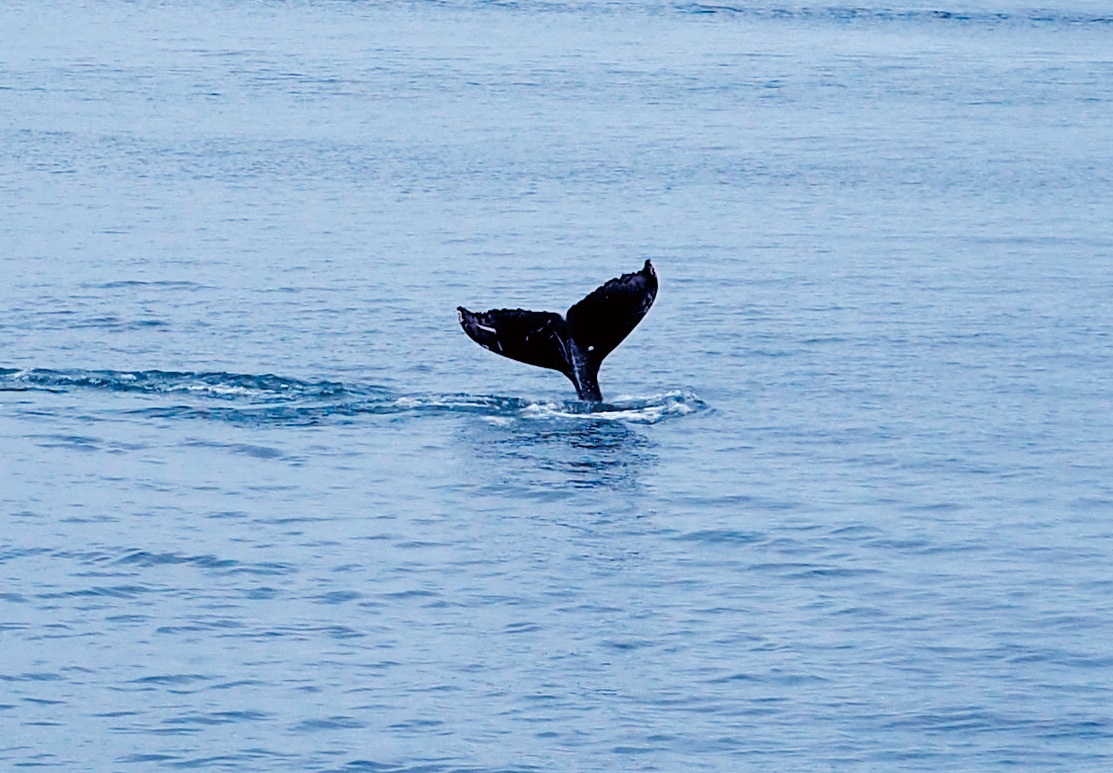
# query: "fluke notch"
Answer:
x=576 y=343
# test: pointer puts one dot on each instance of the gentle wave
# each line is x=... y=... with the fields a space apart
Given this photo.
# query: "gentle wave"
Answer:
x=850 y=13
x=270 y=399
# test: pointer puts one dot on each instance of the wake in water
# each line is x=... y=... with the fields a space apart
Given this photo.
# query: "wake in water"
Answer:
x=270 y=399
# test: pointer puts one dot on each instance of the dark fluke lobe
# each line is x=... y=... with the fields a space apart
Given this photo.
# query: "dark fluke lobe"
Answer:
x=576 y=343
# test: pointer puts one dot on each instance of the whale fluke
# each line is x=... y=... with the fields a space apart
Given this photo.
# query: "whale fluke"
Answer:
x=576 y=343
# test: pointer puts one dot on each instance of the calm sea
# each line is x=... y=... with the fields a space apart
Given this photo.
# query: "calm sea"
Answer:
x=848 y=504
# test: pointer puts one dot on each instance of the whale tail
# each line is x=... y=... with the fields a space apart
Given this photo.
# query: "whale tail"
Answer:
x=576 y=343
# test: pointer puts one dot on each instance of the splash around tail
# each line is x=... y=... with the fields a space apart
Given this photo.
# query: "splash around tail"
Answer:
x=574 y=344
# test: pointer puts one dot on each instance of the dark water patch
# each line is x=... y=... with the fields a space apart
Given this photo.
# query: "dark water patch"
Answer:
x=235 y=684
x=410 y=594
x=521 y=627
x=244 y=449
x=107 y=592
x=127 y=619
x=138 y=558
x=825 y=572
x=329 y=723
x=131 y=284
x=720 y=537
x=216 y=625
x=76 y=442
x=416 y=724
x=218 y=762
x=299 y=633
x=43 y=702
x=170 y=680
x=265 y=568
x=117 y=714
x=143 y=558
x=369 y=766
x=219 y=718
x=846 y=15
x=340 y=632
x=10 y=553
x=114 y=324
x=337 y=597
x=44 y=676
x=626 y=645
x=131 y=759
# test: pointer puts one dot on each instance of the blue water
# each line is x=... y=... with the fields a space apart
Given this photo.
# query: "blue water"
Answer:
x=848 y=504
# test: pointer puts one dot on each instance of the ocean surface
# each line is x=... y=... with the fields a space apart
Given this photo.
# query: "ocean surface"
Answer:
x=847 y=504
